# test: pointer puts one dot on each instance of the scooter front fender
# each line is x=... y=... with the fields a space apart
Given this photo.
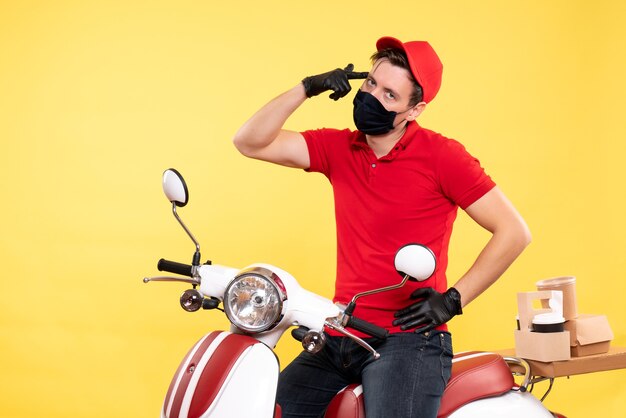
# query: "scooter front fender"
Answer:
x=224 y=375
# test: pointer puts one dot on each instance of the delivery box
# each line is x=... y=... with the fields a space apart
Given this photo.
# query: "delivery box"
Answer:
x=552 y=342
x=589 y=334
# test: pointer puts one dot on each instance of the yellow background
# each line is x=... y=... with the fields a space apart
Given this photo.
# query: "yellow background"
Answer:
x=98 y=98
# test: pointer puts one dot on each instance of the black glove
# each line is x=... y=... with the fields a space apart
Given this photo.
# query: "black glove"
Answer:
x=335 y=80
x=432 y=310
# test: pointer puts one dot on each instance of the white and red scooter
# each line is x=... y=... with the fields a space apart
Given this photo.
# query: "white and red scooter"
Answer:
x=232 y=374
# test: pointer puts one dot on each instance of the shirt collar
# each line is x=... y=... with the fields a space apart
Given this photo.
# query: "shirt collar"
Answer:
x=358 y=140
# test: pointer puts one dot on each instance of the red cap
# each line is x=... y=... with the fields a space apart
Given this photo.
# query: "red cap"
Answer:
x=423 y=60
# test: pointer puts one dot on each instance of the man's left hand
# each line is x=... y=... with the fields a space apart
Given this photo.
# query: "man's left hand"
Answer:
x=433 y=309
x=337 y=80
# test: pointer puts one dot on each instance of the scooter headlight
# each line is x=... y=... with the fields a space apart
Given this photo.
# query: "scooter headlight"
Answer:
x=253 y=301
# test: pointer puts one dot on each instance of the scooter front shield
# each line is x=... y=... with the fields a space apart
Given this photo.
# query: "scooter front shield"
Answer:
x=224 y=375
x=513 y=404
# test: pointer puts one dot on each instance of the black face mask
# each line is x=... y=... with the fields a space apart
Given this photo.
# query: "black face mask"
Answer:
x=370 y=116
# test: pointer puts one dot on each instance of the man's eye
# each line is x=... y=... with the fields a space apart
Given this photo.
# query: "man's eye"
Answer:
x=371 y=82
x=390 y=95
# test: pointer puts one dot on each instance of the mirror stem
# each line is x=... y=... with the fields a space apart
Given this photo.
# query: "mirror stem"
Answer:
x=196 y=256
x=372 y=292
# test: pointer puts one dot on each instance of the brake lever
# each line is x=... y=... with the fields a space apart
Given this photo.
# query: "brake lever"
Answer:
x=334 y=324
x=171 y=279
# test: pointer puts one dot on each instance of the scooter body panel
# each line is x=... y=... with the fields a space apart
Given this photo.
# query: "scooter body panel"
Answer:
x=513 y=404
x=224 y=375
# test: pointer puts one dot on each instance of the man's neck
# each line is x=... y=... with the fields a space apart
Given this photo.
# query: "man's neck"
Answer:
x=383 y=144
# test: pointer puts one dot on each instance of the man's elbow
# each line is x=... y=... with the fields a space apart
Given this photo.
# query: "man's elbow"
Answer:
x=242 y=145
x=523 y=235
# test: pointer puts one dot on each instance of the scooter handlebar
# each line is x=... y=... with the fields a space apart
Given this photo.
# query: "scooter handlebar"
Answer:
x=367 y=328
x=174 y=267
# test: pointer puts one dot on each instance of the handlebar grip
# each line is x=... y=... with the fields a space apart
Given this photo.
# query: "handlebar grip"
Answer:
x=298 y=333
x=174 y=267
x=367 y=328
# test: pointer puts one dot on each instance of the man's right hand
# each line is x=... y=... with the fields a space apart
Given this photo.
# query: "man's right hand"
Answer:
x=335 y=80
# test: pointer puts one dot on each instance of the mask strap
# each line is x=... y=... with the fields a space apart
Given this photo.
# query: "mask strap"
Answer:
x=403 y=120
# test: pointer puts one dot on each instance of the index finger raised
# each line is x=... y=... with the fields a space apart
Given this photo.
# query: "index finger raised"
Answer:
x=356 y=75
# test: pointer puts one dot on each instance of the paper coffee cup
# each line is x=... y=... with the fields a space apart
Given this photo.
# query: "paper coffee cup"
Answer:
x=548 y=322
x=566 y=284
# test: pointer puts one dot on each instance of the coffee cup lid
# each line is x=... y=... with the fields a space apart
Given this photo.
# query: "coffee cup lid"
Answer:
x=556 y=281
x=548 y=318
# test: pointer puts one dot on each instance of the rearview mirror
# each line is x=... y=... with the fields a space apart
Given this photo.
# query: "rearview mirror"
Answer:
x=416 y=261
x=175 y=188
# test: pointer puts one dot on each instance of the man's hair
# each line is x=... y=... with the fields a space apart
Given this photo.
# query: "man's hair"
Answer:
x=398 y=58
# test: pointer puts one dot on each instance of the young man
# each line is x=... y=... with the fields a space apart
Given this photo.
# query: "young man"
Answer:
x=394 y=183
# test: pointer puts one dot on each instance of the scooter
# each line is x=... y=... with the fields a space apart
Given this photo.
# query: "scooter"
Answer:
x=232 y=374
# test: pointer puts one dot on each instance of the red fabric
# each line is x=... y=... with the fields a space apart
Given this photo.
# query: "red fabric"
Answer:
x=423 y=61
x=410 y=195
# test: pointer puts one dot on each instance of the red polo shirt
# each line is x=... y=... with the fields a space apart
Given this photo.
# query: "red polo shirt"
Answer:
x=410 y=195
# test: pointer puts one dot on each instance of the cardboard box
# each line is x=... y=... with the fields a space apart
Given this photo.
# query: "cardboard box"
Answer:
x=546 y=347
x=589 y=334
x=552 y=346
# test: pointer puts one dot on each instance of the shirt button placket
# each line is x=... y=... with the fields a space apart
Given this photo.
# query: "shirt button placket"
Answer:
x=372 y=169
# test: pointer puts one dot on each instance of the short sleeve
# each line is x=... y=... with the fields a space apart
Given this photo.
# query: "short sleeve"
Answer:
x=315 y=142
x=326 y=147
x=463 y=180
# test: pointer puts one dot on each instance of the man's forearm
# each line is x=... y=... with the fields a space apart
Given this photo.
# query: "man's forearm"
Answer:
x=265 y=125
x=499 y=253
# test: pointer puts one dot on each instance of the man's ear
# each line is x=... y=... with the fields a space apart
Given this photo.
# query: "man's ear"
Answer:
x=416 y=111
